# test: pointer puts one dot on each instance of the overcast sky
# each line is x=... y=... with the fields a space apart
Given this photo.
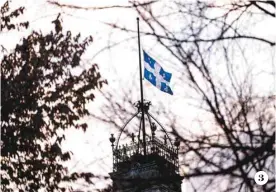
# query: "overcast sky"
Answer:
x=92 y=149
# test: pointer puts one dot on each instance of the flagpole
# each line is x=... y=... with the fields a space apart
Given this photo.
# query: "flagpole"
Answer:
x=141 y=90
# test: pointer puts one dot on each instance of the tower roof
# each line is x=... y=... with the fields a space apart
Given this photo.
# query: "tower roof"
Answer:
x=128 y=155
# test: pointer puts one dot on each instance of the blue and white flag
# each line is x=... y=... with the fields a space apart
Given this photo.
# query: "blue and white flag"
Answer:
x=155 y=74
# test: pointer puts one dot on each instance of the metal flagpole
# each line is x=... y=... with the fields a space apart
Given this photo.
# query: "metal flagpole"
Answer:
x=141 y=90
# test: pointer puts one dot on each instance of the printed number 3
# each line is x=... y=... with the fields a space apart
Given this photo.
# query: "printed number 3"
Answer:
x=261 y=177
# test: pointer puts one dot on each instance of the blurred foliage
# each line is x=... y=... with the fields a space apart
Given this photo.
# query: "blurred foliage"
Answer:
x=40 y=98
x=7 y=16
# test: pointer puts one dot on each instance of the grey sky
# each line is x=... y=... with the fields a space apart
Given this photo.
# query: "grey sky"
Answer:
x=92 y=149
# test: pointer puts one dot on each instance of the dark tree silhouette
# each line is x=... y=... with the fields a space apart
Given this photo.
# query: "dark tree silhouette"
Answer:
x=240 y=141
x=7 y=17
x=242 y=137
x=43 y=92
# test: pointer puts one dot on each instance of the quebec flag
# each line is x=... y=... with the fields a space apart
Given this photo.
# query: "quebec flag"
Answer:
x=155 y=74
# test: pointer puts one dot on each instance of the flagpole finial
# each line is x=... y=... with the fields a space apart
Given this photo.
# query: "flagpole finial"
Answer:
x=137 y=18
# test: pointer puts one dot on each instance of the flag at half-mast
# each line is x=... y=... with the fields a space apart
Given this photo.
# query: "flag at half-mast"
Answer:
x=156 y=75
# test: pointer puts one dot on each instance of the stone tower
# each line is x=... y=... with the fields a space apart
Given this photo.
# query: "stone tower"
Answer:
x=148 y=165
